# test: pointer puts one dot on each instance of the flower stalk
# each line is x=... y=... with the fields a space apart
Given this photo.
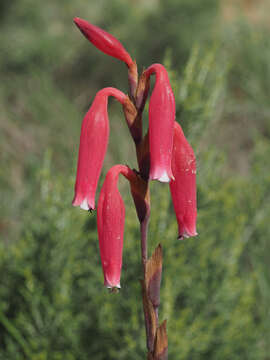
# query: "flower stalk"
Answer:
x=156 y=336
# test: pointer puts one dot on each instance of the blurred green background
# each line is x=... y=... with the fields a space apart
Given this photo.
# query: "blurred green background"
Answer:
x=215 y=287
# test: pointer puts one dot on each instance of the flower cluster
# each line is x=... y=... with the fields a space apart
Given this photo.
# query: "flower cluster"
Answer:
x=163 y=154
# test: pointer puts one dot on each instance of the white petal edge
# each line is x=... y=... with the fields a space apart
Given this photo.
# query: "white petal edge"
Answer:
x=111 y=287
x=84 y=205
x=186 y=236
x=164 y=177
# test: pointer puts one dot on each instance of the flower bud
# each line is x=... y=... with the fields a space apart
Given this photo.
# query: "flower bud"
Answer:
x=104 y=41
x=183 y=188
x=161 y=125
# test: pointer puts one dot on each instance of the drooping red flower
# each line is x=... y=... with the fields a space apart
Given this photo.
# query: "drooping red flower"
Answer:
x=183 y=188
x=93 y=146
x=104 y=41
x=161 y=125
x=110 y=224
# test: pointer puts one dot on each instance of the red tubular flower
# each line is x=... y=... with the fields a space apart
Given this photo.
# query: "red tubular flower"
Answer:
x=110 y=224
x=183 y=188
x=93 y=146
x=104 y=41
x=161 y=125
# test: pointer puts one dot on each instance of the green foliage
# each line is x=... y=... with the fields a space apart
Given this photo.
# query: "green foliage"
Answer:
x=216 y=287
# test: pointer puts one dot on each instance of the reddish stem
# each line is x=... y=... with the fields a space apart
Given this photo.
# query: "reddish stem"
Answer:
x=144 y=232
x=154 y=335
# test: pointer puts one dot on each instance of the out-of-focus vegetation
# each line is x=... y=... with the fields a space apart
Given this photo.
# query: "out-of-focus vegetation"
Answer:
x=216 y=287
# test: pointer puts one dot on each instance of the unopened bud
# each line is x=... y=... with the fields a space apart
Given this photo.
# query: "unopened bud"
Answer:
x=104 y=41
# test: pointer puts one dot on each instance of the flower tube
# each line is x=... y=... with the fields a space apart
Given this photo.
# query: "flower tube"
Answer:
x=104 y=41
x=93 y=146
x=183 y=188
x=110 y=224
x=161 y=125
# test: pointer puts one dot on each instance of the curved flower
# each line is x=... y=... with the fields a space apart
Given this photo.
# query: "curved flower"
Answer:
x=93 y=146
x=110 y=224
x=183 y=188
x=104 y=41
x=161 y=125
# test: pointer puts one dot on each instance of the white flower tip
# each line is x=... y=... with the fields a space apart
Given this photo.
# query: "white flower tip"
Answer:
x=185 y=235
x=84 y=205
x=114 y=289
x=164 y=177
